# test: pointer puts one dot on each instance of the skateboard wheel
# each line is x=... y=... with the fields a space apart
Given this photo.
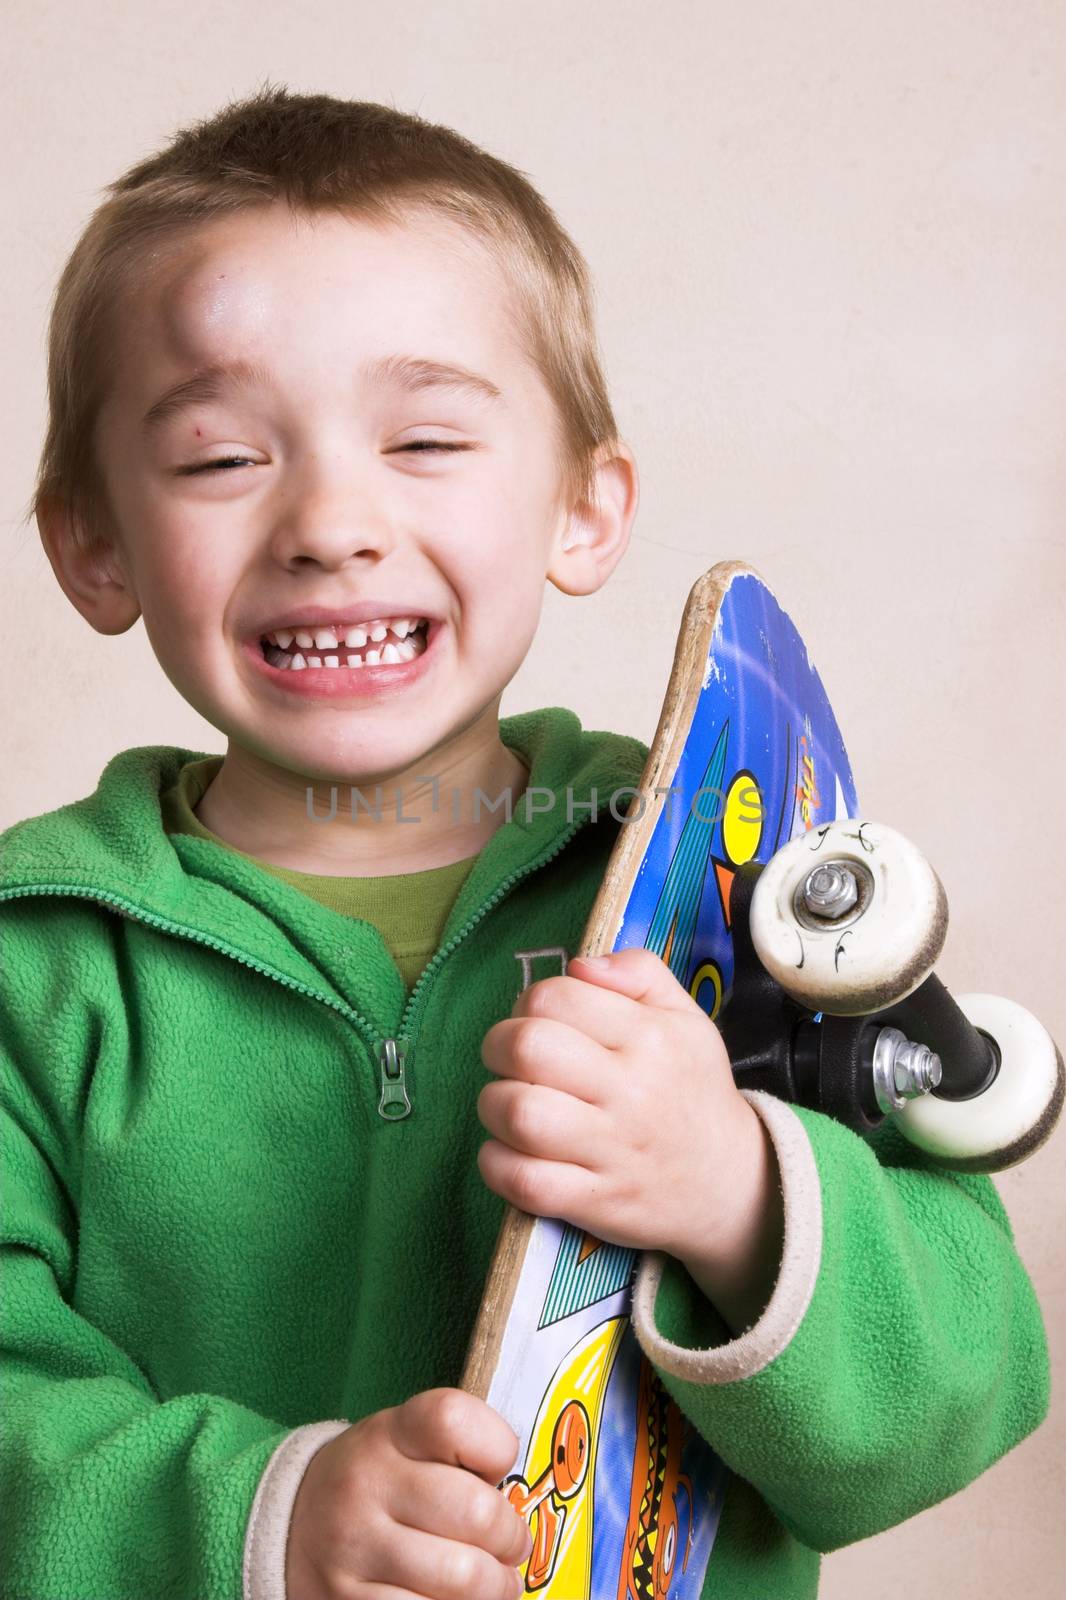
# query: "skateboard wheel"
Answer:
x=1015 y=1114
x=848 y=917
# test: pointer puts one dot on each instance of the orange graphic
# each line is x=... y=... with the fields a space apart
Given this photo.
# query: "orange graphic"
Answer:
x=650 y=1543
x=540 y=1503
x=724 y=878
x=670 y=939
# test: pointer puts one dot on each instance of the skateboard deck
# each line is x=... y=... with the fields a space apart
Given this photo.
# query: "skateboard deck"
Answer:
x=621 y=1493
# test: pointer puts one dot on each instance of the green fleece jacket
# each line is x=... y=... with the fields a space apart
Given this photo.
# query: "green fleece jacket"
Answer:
x=217 y=1254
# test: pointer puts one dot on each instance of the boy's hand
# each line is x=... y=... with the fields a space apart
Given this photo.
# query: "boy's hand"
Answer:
x=404 y=1503
x=616 y=1111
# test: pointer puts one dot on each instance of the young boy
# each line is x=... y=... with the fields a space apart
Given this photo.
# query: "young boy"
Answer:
x=326 y=411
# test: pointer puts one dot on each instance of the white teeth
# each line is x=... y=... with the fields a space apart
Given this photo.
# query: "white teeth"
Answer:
x=354 y=637
x=391 y=654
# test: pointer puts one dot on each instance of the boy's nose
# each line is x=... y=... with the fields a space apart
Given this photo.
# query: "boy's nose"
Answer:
x=331 y=528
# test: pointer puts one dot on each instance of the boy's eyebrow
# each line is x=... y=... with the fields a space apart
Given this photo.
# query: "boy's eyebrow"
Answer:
x=411 y=374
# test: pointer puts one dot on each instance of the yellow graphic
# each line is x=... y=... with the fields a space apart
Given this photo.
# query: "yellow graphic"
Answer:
x=807 y=787
x=742 y=819
x=707 y=973
x=554 y=1491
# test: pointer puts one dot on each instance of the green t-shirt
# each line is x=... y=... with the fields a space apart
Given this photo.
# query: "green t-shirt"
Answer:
x=409 y=909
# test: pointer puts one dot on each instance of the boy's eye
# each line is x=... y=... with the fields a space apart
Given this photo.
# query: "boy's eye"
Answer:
x=242 y=461
x=217 y=466
x=434 y=444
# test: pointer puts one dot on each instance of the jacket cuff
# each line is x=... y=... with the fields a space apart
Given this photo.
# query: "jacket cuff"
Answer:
x=663 y=1287
x=268 y=1521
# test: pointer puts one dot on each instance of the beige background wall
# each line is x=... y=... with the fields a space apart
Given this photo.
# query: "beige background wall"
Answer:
x=829 y=243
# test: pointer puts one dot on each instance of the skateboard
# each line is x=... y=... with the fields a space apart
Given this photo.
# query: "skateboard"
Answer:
x=811 y=933
x=622 y=1495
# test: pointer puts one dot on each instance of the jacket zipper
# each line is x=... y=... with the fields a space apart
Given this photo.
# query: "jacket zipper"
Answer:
x=392 y=1063
x=391 y=1054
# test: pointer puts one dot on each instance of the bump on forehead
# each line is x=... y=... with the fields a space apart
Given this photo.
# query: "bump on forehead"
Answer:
x=213 y=304
x=211 y=307
x=230 y=244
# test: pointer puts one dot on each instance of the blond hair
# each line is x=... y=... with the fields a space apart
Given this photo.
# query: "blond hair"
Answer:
x=317 y=153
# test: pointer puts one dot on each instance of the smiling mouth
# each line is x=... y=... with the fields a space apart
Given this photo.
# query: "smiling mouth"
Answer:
x=390 y=649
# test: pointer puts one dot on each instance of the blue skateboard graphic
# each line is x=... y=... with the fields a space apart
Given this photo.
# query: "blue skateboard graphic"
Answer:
x=622 y=1495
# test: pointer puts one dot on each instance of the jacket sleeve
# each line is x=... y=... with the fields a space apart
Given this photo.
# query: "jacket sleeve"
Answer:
x=901 y=1352
x=107 y=1492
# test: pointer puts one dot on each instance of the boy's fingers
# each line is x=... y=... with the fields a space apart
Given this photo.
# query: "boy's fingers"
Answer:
x=539 y=1120
x=606 y=995
x=550 y=1052
x=445 y=1567
x=637 y=972
x=455 y=1504
x=606 y=1013
x=457 y=1428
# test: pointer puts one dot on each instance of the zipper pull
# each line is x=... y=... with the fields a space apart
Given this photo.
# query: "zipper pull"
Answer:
x=394 y=1104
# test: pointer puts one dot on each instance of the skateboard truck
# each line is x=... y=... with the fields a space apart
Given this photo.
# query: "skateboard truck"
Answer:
x=834 y=1005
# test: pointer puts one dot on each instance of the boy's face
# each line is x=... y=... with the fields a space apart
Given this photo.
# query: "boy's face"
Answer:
x=328 y=505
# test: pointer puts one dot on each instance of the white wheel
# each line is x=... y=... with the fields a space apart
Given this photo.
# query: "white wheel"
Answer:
x=871 y=952
x=1017 y=1111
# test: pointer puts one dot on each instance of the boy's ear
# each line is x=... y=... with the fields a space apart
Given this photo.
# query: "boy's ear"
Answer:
x=91 y=574
x=593 y=537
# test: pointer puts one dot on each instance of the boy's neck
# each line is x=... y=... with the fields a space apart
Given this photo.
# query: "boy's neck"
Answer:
x=263 y=810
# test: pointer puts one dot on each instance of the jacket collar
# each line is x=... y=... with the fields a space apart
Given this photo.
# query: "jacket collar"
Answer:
x=112 y=844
